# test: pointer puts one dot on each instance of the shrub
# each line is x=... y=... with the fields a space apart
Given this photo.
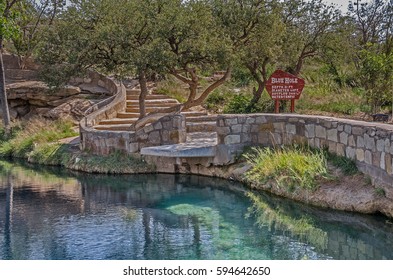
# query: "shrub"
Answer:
x=239 y=104
x=289 y=167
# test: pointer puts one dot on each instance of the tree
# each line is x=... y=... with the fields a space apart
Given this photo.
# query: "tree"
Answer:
x=373 y=46
x=136 y=37
x=377 y=76
x=37 y=16
x=269 y=34
x=8 y=29
x=194 y=42
x=255 y=31
x=112 y=37
x=309 y=25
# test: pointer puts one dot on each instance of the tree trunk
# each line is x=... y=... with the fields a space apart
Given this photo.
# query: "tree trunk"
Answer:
x=143 y=95
x=181 y=107
x=299 y=66
x=261 y=79
x=3 y=94
x=257 y=94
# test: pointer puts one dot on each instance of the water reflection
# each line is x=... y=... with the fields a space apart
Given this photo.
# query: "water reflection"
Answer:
x=51 y=214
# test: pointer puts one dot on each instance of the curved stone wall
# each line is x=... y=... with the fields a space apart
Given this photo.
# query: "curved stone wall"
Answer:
x=101 y=142
x=369 y=144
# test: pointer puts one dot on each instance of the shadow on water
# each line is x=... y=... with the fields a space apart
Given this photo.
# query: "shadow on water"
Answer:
x=49 y=213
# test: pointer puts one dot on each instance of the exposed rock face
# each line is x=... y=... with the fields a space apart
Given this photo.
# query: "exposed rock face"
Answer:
x=28 y=97
x=35 y=90
x=74 y=108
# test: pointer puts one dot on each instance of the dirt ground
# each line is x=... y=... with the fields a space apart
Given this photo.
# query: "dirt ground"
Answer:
x=353 y=193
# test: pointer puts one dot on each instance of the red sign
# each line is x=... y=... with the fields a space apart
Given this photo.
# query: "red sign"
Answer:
x=284 y=86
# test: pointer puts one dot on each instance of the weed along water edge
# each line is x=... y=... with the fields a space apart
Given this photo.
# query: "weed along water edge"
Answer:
x=47 y=213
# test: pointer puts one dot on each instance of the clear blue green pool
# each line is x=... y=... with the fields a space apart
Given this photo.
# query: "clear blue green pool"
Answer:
x=49 y=214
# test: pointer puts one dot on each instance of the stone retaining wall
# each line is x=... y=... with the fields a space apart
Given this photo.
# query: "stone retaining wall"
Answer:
x=167 y=130
x=369 y=144
x=103 y=142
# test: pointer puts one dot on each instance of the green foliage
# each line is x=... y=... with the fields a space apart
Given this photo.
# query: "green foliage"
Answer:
x=348 y=166
x=8 y=27
x=347 y=108
x=289 y=167
x=28 y=136
x=323 y=93
x=240 y=104
x=380 y=192
x=217 y=100
x=376 y=74
x=171 y=88
x=50 y=154
x=241 y=77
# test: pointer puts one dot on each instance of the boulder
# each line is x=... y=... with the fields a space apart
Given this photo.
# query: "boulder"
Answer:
x=90 y=88
x=36 y=112
x=38 y=94
x=74 y=108
x=67 y=91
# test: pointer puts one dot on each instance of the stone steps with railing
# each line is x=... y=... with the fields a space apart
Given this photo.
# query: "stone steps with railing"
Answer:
x=197 y=121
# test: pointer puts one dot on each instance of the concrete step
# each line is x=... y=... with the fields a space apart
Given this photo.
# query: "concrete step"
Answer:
x=113 y=127
x=148 y=109
x=203 y=118
x=124 y=115
x=149 y=97
x=133 y=91
x=163 y=102
x=201 y=127
x=118 y=121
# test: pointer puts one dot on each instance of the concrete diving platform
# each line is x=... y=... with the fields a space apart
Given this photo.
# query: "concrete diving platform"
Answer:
x=198 y=145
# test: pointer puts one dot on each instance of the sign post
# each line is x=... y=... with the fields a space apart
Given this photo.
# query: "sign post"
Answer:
x=284 y=86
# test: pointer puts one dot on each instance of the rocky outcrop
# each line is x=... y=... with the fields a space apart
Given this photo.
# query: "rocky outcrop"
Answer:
x=74 y=108
x=29 y=97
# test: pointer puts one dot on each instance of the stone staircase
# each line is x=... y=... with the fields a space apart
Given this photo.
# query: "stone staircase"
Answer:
x=197 y=121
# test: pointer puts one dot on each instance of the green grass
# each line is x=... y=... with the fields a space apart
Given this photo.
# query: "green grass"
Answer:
x=172 y=88
x=37 y=141
x=34 y=135
x=50 y=154
x=289 y=167
x=348 y=166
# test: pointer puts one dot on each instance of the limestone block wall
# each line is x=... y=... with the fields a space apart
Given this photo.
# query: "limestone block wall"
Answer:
x=104 y=142
x=167 y=130
x=369 y=144
x=97 y=79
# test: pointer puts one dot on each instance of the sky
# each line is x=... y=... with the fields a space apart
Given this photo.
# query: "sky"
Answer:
x=342 y=4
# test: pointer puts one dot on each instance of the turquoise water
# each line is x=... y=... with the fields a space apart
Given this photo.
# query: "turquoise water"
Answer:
x=47 y=214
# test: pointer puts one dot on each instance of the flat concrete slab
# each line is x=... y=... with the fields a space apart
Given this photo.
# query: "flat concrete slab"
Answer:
x=198 y=145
